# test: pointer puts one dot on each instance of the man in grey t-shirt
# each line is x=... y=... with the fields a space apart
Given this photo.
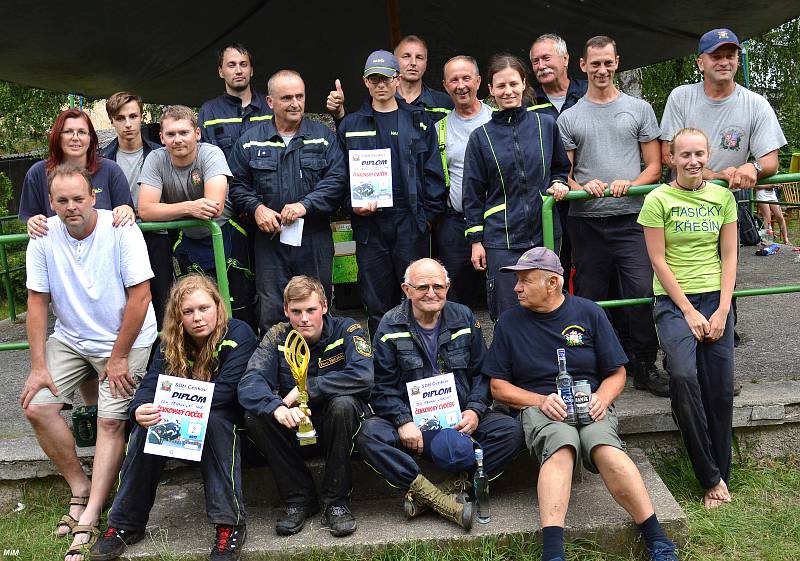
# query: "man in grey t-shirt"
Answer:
x=741 y=126
x=189 y=179
x=607 y=135
x=461 y=80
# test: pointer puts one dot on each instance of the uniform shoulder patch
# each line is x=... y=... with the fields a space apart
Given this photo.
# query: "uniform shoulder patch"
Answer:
x=362 y=346
x=353 y=327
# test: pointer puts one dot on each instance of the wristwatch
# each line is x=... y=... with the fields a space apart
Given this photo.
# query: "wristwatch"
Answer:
x=757 y=166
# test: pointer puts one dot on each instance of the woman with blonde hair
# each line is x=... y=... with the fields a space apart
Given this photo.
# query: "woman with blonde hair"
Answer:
x=690 y=231
x=199 y=342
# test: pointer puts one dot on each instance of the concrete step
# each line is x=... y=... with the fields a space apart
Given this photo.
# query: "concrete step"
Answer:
x=593 y=515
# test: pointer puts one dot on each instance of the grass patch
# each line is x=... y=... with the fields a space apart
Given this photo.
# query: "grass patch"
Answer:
x=762 y=523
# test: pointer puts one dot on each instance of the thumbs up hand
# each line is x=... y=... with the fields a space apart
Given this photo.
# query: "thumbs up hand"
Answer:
x=335 y=102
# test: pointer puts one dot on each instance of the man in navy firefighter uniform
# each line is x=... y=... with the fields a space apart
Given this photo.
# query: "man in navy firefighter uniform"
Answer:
x=388 y=239
x=339 y=383
x=423 y=337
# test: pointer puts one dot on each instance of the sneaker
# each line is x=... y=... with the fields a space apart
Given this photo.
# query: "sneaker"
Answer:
x=113 y=543
x=662 y=551
x=339 y=520
x=229 y=542
x=651 y=378
x=294 y=518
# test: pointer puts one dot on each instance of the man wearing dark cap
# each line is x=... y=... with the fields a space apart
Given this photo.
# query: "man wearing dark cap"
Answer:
x=741 y=126
x=423 y=337
x=522 y=363
x=389 y=238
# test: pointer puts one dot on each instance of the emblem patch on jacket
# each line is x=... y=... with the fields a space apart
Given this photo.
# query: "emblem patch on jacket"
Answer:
x=573 y=335
x=362 y=346
x=324 y=363
x=196 y=179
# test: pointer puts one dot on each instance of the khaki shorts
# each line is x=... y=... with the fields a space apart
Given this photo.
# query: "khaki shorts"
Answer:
x=69 y=369
x=544 y=436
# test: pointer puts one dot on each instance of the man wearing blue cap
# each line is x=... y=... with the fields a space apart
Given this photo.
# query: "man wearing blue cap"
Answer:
x=740 y=124
x=426 y=336
x=389 y=238
x=523 y=366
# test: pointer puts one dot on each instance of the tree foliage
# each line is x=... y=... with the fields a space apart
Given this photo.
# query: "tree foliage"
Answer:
x=26 y=115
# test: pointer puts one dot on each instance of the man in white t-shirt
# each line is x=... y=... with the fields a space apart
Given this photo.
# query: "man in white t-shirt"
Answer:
x=97 y=279
x=462 y=81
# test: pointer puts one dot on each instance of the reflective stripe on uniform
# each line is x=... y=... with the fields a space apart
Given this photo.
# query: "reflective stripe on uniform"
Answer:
x=473 y=229
x=360 y=133
x=460 y=332
x=541 y=146
x=494 y=209
x=438 y=109
x=281 y=348
x=441 y=129
x=423 y=126
x=315 y=141
x=397 y=335
x=502 y=184
x=218 y=121
x=540 y=106
x=278 y=144
x=261 y=118
x=333 y=345
x=233 y=223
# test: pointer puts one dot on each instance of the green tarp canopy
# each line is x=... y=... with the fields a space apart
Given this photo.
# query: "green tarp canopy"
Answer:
x=166 y=51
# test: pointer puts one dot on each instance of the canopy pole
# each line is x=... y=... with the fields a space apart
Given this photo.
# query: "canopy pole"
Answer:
x=746 y=63
x=393 y=11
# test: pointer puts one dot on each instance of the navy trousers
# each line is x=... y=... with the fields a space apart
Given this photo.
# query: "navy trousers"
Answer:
x=220 y=467
x=499 y=435
x=455 y=252
x=700 y=386
x=385 y=245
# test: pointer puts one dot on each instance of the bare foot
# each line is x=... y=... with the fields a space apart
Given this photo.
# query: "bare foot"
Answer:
x=716 y=495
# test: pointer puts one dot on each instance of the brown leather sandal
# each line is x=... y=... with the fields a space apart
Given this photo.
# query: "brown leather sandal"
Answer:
x=83 y=549
x=67 y=521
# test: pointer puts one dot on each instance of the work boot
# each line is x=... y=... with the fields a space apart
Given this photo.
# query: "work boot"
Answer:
x=458 y=485
x=339 y=520
x=294 y=518
x=647 y=376
x=446 y=506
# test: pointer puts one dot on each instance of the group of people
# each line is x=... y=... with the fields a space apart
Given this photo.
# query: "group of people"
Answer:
x=468 y=180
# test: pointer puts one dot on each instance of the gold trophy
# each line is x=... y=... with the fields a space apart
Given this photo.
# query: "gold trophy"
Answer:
x=295 y=350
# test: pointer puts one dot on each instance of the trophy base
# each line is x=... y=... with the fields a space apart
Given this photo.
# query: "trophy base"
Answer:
x=307 y=438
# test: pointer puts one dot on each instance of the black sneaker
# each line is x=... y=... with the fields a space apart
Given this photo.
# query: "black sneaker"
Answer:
x=229 y=542
x=651 y=378
x=112 y=543
x=294 y=518
x=339 y=520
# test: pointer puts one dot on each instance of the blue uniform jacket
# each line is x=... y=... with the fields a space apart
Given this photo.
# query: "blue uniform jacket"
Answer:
x=435 y=103
x=310 y=170
x=233 y=353
x=509 y=165
x=223 y=120
x=110 y=151
x=420 y=163
x=340 y=364
x=400 y=357
x=575 y=91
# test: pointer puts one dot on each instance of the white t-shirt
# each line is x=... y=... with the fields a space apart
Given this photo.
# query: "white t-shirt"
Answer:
x=86 y=280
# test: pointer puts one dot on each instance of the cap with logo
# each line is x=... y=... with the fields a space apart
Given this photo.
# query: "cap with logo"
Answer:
x=714 y=39
x=537 y=258
x=383 y=63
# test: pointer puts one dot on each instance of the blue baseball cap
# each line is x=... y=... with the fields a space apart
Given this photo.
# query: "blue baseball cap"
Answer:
x=714 y=39
x=383 y=63
x=449 y=449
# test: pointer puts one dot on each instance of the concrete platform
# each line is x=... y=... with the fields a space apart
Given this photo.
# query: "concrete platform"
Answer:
x=176 y=520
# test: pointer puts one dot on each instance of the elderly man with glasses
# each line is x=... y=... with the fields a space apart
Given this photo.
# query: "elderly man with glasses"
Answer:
x=424 y=337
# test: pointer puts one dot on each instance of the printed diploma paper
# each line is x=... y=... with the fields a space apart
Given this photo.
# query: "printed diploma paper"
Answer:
x=184 y=405
x=371 y=177
x=434 y=402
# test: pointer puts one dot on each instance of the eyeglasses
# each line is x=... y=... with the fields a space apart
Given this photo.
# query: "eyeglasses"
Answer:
x=376 y=79
x=424 y=288
x=69 y=133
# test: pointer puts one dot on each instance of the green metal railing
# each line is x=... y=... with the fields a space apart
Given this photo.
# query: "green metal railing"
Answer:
x=640 y=190
x=216 y=242
x=6 y=272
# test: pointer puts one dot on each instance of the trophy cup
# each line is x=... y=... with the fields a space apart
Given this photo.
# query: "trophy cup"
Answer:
x=295 y=350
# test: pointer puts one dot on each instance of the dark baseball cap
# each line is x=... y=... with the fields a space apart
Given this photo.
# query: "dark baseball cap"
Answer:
x=449 y=449
x=383 y=63
x=537 y=258
x=714 y=39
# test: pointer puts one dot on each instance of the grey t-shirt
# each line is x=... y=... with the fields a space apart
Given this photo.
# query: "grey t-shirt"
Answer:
x=457 y=136
x=187 y=183
x=738 y=126
x=131 y=164
x=606 y=138
x=557 y=101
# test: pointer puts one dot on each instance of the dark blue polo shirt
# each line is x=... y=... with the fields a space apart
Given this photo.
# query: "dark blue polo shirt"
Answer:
x=523 y=351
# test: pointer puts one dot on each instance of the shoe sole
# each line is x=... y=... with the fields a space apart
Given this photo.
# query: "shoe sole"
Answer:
x=112 y=556
x=343 y=533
